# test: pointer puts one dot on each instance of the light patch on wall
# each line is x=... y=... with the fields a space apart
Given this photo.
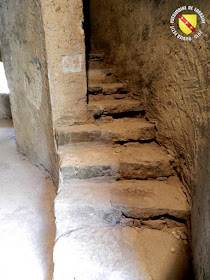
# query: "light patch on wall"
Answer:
x=3 y=80
x=33 y=83
x=72 y=63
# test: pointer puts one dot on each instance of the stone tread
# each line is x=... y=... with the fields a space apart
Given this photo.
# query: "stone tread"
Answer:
x=111 y=107
x=126 y=129
x=121 y=253
x=107 y=88
x=129 y=161
x=150 y=198
x=96 y=203
x=99 y=74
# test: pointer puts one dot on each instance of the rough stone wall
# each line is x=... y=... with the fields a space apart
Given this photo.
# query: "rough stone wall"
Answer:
x=171 y=77
x=65 y=45
x=24 y=57
x=201 y=215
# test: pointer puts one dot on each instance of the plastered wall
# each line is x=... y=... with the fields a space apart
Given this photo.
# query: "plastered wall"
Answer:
x=65 y=45
x=171 y=77
x=24 y=57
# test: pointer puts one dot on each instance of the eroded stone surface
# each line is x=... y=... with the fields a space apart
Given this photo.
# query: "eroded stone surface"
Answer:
x=120 y=253
x=107 y=88
x=82 y=204
x=101 y=75
x=85 y=161
x=98 y=203
x=88 y=161
x=109 y=107
x=125 y=129
x=150 y=198
x=144 y=161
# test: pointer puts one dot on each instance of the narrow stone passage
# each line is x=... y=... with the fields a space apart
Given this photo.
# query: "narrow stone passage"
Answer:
x=27 y=226
x=121 y=212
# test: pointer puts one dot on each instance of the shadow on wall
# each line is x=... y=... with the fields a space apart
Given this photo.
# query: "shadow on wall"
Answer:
x=87 y=26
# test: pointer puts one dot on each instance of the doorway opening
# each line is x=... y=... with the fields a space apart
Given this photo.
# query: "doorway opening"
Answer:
x=5 y=112
x=3 y=80
x=104 y=81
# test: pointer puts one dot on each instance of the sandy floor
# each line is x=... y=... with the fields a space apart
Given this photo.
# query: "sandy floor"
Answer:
x=27 y=226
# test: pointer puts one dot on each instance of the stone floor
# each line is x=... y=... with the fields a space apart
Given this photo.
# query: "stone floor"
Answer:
x=27 y=227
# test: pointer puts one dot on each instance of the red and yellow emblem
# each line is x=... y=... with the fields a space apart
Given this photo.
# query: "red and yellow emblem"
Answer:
x=187 y=23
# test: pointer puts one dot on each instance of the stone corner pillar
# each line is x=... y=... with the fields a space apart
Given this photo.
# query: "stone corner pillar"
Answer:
x=65 y=46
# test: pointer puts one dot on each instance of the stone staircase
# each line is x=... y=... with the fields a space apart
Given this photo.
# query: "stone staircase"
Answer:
x=121 y=212
x=103 y=82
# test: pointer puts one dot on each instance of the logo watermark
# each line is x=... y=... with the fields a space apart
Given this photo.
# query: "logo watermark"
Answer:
x=190 y=23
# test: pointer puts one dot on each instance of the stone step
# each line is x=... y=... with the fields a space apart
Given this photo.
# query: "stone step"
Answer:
x=130 y=161
x=101 y=75
x=126 y=129
x=121 y=253
x=101 y=96
x=112 y=107
x=107 y=88
x=96 y=61
x=98 y=203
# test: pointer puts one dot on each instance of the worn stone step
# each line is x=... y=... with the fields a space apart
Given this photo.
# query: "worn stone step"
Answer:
x=96 y=203
x=130 y=161
x=126 y=129
x=107 y=88
x=96 y=61
x=101 y=96
x=112 y=107
x=121 y=253
x=101 y=75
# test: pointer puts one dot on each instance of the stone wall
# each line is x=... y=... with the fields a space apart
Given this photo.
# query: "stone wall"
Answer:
x=65 y=45
x=171 y=77
x=24 y=57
